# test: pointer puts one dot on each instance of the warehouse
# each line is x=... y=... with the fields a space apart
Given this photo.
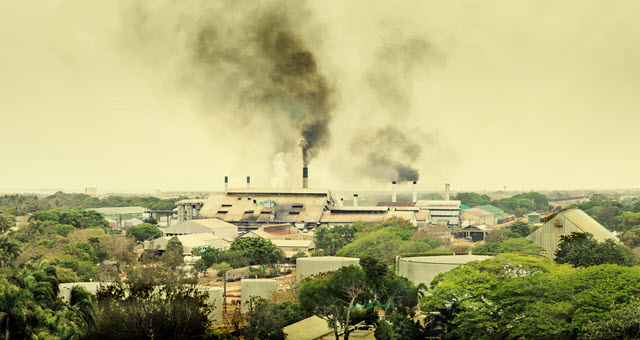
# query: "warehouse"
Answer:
x=350 y=215
x=441 y=212
x=478 y=216
x=210 y=225
x=564 y=223
x=189 y=242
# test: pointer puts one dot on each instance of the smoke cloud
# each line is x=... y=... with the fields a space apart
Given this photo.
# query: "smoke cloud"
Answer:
x=255 y=59
x=389 y=153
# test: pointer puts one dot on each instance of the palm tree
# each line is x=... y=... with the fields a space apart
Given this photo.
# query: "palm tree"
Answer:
x=14 y=312
x=5 y=223
x=9 y=250
x=83 y=304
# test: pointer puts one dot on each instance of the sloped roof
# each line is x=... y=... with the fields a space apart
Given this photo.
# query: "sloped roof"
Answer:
x=119 y=210
x=490 y=208
x=197 y=226
x=587 y=224
x=336 y=216
x=437 y=203
x=396 y=204
x=294 y=243
x=477 y=212
x=310 y=328
x=464 y=207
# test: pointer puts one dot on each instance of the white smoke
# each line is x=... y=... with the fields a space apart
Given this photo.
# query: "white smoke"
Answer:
x=280 y=174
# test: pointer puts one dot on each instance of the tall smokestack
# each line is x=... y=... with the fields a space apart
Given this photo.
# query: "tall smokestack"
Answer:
x=355 y=200
x=446 y=191
x=248 y=182
x=226 y=184
x=305 y=177
x=393 y=191
x=415 y=191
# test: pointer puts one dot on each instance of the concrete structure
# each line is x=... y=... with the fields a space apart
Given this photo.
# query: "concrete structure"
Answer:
x=120 y=214
x=442 y=212
x=255 y=287
x=91 y=191
x=423 y=269
x=210 y=225
x=189 y=209
x=215 y=296
x=573 y=220
x=308 y=266
x=189 y=242
x=311 y=328
x=478 y=216
x=291 y=247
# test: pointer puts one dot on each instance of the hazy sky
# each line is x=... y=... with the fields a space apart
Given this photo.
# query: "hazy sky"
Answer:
x=522 y=94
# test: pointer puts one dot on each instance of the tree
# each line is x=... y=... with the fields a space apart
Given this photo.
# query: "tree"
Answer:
x=472 y=199
x=520 y=228
x=144 y=231
x=264 y=320
x=209 y=255
x=332 y=240
x=172 y=256
x=380 y=244
x=334 y=297
x=258 y=250
x=64 y=230
x=509 y=245
x=623 y=324
x=582 y=250
x=6 y=222
x=9 y=250
x=14 y=312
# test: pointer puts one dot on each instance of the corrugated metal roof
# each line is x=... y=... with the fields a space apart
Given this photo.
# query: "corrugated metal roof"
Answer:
x=294 y=243
x=308 y=329
x=490 y=208
x=119 y=210
x=587 y=224
x=396 y=204
x=339 y=217
x=362 y=209
x=476 y=212
x=279 y=191
x=436 y=203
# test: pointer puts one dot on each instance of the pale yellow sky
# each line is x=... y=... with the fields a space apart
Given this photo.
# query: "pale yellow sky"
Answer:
x=523 y=94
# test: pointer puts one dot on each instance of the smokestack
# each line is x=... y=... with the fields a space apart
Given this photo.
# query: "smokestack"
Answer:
x=248 y=182
x=415 y=191
x=226 y=184
x=446 y=191
x=305 y=177
x=342 y=201
x=393 y=191
x=355 y=200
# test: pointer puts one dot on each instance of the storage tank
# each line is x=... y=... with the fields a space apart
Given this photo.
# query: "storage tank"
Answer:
x=255 y=287
x=423 y=269
x=215 y=299
x=307 y=266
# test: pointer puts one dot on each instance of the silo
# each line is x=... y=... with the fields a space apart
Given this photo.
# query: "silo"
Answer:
x=255 y=287
x=307 y=266
x=215 y=300
x=423 y=269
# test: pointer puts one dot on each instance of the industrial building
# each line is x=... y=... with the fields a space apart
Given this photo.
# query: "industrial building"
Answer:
x=119 y=217
x=291 y=247
x=210 y=225
x=442 y=212
x=308 y=266
x=498 y=214
x=189 y=242
x=564 y=223
x=350 y=215
x=423 y=269
x=478 y=216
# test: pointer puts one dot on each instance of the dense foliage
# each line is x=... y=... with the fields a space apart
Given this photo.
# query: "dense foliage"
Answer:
x=144 y=231
x=582 y=250
x=257 y=250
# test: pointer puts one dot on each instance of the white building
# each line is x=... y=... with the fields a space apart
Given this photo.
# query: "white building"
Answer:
x=442 y=212
x=189 y=242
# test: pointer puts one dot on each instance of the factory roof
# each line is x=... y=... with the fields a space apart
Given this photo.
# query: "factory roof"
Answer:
x=396 y=204
x=208 y=225
x=464 y=207
x=189 y=242
x=294 y=243
x=583 y=222
x=264 y=206
x=422 y=215
x=191 y=201
x=346 y=217
x=490 y=208
x=310 y=328
x=119 y=210
x=437 y=203
x=477 y=212
x=360 y=209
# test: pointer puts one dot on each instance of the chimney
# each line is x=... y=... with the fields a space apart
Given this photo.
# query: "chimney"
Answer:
x=355 y=200
x=341 y=202
x=248 y=182
x=415 y=191
x=226 y=184
x=446 y=191
x=393 y=191
x=305 y=177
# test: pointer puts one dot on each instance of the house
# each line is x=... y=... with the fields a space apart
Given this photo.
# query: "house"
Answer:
x=564 y=223
x=210 y=225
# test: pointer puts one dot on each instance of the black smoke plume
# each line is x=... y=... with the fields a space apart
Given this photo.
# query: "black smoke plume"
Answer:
x=255 y=59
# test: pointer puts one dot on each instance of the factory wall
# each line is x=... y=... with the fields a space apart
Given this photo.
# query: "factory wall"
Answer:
x=255 y=287
x=549 y=235
x=308 y=266
x=425 y=269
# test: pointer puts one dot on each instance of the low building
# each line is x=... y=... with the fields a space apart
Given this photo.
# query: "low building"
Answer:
x=441 y=212
x=311 y=328
x=210 y=225
x=478 y=216
x=350 y=215
x=189 y=242
x=291 y=247
x=564 y=223
x=120 y=214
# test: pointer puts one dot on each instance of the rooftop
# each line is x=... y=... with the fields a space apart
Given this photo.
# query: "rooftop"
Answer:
x=490 y=208
x=396 y=204
x=310 y=328
x=437 y=203
x=119 y=210
x=477 y=212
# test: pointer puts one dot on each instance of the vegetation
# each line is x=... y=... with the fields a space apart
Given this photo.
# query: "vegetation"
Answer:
x=329 y=241
x=257 y=250
x=582 y=250
x=265 y=320
x=144 y=231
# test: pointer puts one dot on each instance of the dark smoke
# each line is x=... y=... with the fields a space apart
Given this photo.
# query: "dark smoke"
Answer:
x=254 y=58
x=387 y=154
